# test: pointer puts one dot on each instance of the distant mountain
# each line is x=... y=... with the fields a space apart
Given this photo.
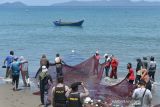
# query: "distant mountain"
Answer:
x=108 y=3
x=14 y=4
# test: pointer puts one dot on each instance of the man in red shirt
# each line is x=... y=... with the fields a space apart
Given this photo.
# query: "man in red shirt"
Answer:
x=114 y=65
x=130 y=75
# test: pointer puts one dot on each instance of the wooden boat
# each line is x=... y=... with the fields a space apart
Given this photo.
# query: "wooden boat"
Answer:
x=60 y=23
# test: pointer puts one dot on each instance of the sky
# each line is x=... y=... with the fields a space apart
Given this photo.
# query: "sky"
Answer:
x=49 y=2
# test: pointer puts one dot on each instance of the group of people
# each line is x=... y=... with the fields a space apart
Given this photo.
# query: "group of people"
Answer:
x=15 y=65
x=145 y=75
x=65 y=96
x=58 y=63
x=62 y=95
x=110 y=62
x=145 y=72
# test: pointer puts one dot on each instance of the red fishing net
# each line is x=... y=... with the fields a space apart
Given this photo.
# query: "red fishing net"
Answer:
x=119 y=93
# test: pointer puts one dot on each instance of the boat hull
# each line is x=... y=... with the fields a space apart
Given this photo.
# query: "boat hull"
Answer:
x=79 y=23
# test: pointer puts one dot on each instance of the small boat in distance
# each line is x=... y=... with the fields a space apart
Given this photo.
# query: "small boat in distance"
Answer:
x=60 y=23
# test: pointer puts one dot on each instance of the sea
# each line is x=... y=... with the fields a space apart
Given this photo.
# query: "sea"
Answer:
x=127 y=33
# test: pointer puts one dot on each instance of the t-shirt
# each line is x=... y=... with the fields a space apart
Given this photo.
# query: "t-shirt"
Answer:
x=9 y=60
x=114 y=62
x=57 y=60
x=145 y=64
x=15 y=67
x=138 y=93
x=152 y=66
x=131 y=76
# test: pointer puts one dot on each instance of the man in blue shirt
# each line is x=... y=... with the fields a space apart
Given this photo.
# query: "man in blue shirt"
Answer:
x=9 y=60
x=15 y=68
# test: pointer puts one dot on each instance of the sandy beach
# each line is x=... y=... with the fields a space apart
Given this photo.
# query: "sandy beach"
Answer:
x=21 y=98
x=24 y=97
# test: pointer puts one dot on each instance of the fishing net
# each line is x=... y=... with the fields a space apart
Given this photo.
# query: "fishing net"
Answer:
x=87 y=72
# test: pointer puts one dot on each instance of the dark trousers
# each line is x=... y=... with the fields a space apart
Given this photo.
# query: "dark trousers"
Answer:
x=149 y=85
x=15 y=80
x=151 y=75
x=60 y=105
x=131 y=81
x=59 y=71
x=42 y=96
x=106 y=71
x=8 y=72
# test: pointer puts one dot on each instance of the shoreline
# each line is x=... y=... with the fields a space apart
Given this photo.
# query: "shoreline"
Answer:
x=24 y=97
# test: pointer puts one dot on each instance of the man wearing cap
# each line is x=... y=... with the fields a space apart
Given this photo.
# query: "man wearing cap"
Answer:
x=142 y=96
x=107 y=64
x=74 y=97
x=45 y=82
x=15 y=68
x=58 y=93
x=9 y=60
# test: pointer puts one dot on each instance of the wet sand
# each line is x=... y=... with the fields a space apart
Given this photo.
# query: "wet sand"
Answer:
x=25 y=98
x=21 y=98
